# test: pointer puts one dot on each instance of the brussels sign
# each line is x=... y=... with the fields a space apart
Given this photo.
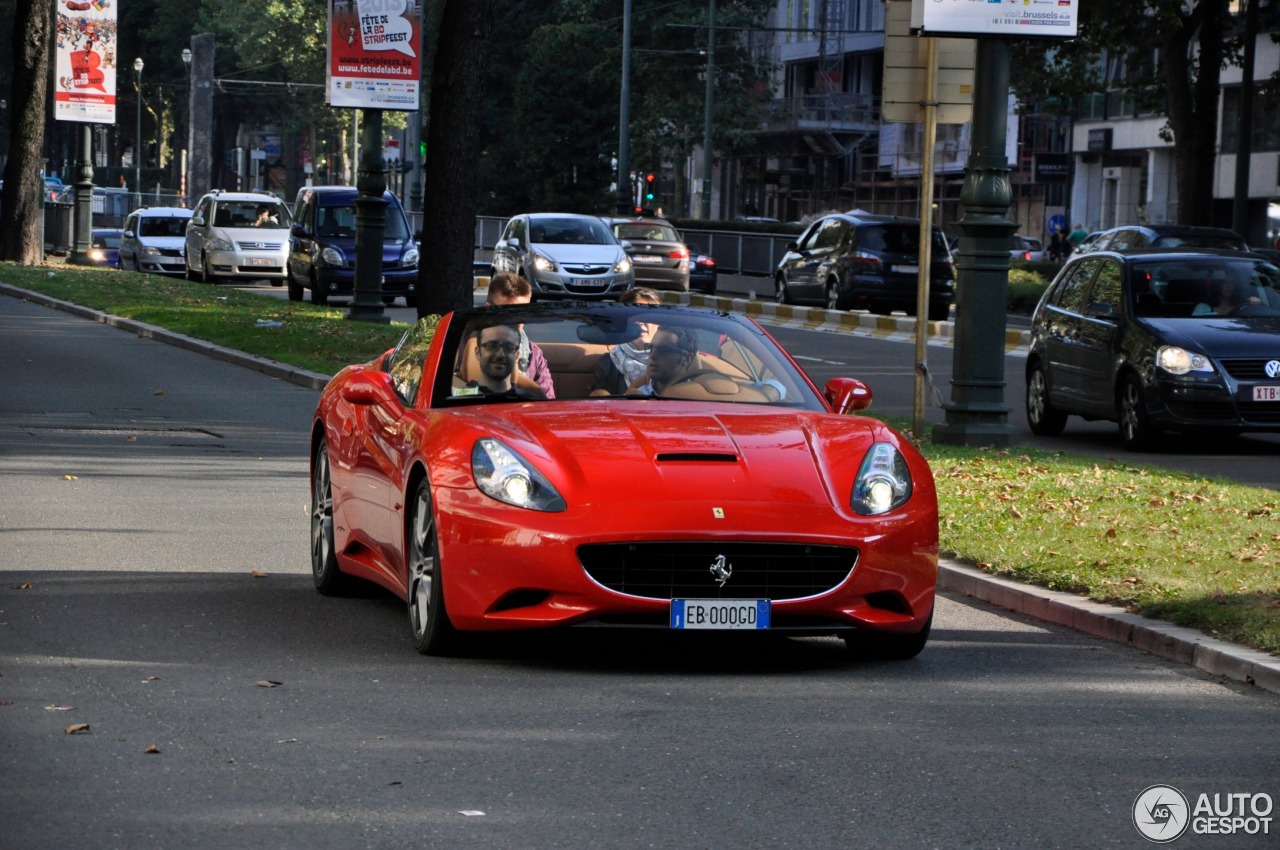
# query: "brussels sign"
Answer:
x=1017 y=18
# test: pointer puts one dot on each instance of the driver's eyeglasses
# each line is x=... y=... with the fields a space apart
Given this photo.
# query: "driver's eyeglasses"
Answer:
x=668 y=350
x=495 y=347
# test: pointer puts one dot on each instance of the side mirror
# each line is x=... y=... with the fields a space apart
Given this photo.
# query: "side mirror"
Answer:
x=792 y=246
x=299 y=231
x=627 y=246
x=128 y=234
x=1100 y=310
x=372 y=388
x=847 y=395
x=197 y=221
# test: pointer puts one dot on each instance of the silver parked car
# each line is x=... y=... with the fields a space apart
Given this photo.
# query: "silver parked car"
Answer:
x=154 y=240
x=564 y=255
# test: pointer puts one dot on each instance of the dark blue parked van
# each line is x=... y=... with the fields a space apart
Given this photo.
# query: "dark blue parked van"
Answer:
x=322 y=246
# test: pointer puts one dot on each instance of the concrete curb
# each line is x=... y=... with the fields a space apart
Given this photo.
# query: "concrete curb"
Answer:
x=1175 y=643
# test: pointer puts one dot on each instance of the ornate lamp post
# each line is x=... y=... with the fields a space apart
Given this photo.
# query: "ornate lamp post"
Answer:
x=186 y=167
x=137 y=139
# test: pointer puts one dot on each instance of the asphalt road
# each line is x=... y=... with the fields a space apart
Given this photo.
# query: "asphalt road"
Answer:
x=154 y=585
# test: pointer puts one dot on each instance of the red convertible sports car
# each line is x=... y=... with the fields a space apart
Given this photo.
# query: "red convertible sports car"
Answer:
x=681 y=472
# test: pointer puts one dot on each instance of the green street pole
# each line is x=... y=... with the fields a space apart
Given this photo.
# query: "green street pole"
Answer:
x=976 y=414
x=84 y=201
x=371 y=220
x=708 y=155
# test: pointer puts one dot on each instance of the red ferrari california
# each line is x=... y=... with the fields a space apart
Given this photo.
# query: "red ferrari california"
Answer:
x=551 y=465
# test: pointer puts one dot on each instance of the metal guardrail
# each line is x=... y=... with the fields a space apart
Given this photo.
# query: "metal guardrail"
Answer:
x=735 y=253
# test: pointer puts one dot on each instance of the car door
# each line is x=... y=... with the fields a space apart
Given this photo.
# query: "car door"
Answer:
x=301 y=236
x=129 y=243
x=1097 y=341
x=195 y=232
x=1061 y=327
x=505 y=253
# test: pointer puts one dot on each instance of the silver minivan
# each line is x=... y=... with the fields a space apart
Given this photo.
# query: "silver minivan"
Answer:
x=238 y=235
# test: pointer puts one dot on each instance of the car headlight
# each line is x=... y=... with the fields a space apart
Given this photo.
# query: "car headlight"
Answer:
x=1179 y=361
x=410 y=257
x=623 y=266
x=883 y=482
x=150 y=251
x=507 y=477
x=543 y=264
x=97 y=255
x=333 y=257
x=216 y=244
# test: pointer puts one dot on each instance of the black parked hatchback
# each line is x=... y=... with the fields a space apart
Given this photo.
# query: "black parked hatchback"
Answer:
x=871 y=262
x=1159 y=339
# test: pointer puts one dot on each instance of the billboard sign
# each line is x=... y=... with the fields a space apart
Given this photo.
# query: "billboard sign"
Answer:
x=374 y=56
x=1018 y=18
x=84 y=80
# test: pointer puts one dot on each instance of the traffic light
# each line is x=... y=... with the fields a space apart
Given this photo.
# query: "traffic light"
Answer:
x=648 y=185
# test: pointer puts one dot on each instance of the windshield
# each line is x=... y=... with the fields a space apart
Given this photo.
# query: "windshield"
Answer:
x=162 y=226
x=569 y=231
x=267 y=215
x=340 y=222
x=1205 y=287
x=613 y=353
x=901 y=239
x=640 y=231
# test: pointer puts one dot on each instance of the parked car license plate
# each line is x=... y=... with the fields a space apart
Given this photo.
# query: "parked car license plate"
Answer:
x=1266 y=393
x=719 y=613
x=261 y=261
x=648 y=259
x=906 y=270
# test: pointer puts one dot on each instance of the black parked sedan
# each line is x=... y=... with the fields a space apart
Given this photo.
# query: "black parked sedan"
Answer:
x=1156 y=340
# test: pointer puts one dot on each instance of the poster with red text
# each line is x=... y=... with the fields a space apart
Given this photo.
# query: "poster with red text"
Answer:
x=84 y=80
x=374 y=54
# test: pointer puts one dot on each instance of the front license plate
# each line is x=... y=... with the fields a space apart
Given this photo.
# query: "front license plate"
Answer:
x=578 y=281
x=719 y=613
x=1266 y=393
x=905 y=269
x=261 y=261
x=649 y=259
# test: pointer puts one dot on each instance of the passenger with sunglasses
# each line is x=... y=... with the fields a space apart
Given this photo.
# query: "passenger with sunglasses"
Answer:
x=672 y=356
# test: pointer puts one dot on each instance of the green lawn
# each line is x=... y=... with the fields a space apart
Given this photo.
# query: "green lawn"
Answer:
x=1195 y=551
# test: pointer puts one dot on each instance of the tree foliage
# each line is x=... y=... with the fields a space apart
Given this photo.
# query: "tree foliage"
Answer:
x=1167 y=56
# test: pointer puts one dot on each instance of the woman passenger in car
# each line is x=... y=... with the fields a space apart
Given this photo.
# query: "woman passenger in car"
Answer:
x=623 y=364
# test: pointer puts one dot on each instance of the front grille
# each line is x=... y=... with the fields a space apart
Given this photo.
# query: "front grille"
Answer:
x=171 y=252
x=593 y=268
x=683 y=570
x=1189 y=411
x=1249 y=369
x=1260 y=412
x=259 y=246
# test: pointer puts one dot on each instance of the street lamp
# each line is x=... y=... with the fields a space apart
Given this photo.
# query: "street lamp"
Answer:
x=186 y=166
x=137 y=138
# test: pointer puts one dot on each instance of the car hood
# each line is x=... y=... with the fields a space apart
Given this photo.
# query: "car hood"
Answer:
x=392 y=249
x=671 y=452
x=1228 y=336
x=603 y=254
x=172 y=242
x=275 y=235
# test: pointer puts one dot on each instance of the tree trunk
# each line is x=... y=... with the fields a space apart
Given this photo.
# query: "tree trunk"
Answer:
x=23 y=185
x=1193 y=105
x=453 y=143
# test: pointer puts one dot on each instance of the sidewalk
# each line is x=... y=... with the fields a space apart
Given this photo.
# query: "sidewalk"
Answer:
x=1175 y=643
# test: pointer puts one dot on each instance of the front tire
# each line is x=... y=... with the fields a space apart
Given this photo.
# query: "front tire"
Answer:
x=1042 y=416
x=939 y=312
x=433 y=633
x=1136 y=431
x=329 y=580
x=319 y=296
x=888 y=646
x=295 y=288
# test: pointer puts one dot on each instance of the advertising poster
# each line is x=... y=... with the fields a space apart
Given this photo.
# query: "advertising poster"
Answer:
x=1018 y=18
x=85 y=62
x=374 y=56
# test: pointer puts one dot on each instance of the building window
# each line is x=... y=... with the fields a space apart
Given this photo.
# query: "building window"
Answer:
x=1266 y=123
